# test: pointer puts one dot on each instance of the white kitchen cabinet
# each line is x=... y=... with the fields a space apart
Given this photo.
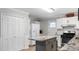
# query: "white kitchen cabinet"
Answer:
x=15 y=30
x=67 y=21
x=72 y=20
x=61 y=21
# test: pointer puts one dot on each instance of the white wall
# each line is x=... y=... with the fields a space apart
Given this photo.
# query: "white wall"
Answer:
x=44 y=25
x=52 y=31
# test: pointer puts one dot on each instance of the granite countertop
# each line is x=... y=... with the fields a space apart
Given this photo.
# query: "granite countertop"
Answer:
x=42 y=38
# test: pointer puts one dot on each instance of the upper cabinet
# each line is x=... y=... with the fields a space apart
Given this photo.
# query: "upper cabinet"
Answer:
x=72 y=20
x=68 y=21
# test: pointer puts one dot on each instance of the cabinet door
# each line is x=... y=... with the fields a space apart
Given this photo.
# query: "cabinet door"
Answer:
x=60 y=22
x=64 y=21
x=71 y=20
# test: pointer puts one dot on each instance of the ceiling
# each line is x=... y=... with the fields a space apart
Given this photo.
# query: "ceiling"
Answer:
x=41 y=14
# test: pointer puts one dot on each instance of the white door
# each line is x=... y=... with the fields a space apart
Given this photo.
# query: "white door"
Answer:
x=13 y=33
x=35 y=31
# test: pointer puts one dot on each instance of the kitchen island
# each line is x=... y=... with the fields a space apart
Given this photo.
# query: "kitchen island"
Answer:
x=46 y=43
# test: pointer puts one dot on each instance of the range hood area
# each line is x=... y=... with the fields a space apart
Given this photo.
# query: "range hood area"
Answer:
x=68 y=26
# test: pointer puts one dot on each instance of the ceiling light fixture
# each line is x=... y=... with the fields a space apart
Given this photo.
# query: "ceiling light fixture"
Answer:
x=50 y=10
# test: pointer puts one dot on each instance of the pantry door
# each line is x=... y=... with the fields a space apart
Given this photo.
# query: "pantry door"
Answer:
x=13 y=32
x=35 y=30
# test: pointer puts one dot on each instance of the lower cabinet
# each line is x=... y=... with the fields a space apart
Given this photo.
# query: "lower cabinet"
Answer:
x=47 y=45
